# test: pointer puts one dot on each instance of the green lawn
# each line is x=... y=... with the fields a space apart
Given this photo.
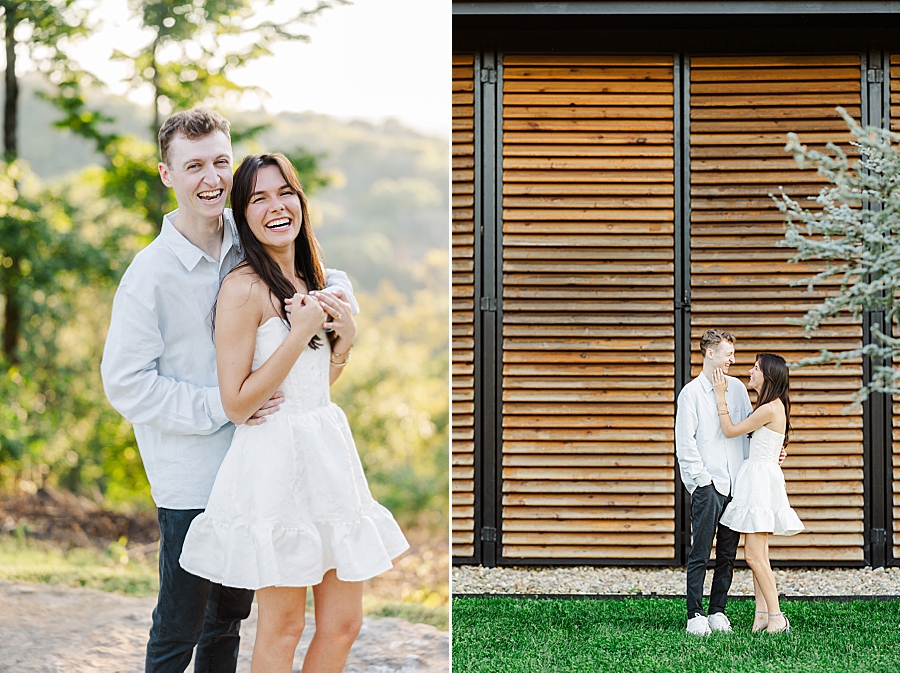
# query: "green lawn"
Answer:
x=641 y=635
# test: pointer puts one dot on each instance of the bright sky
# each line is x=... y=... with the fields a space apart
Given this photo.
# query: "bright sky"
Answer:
x=374 y=59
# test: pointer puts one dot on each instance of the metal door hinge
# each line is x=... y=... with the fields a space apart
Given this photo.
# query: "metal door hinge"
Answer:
x=488 y=534
x=489 y=303
x=872 y=75
x=489 y=75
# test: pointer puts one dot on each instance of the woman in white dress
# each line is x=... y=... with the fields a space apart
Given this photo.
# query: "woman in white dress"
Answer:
x=290 y=507
x=760 y=505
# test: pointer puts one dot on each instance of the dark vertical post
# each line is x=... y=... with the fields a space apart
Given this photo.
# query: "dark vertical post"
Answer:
x=486 y=304
x=887 y=424
x=874 y=409
x=477 y=349
x=682 y=276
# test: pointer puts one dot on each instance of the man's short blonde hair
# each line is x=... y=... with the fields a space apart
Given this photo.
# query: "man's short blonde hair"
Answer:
x=193 y=124
x=713 y=337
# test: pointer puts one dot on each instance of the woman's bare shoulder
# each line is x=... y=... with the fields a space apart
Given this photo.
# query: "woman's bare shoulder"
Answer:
x=242 y=287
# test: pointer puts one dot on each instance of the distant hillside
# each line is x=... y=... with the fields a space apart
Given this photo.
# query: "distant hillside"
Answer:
x=389 y=198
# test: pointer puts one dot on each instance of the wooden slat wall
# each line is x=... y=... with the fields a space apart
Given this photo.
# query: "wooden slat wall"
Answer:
x=895 y=419
x=588 y=327
x=463 y=337
x=741 y=109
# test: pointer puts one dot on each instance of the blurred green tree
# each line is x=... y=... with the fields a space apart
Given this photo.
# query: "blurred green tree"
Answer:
x=38 y=28
x=396 y=395
x=196 y=46
x=71 y=244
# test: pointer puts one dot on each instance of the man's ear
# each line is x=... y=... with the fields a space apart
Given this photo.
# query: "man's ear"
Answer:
x=164 y=174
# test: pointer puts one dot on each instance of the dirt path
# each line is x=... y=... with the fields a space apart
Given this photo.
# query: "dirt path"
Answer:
x=62 y=630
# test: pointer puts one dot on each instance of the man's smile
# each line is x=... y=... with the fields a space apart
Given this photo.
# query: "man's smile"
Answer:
x=211 y=195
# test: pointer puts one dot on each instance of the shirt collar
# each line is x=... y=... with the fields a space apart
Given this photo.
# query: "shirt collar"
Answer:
x=188 y=253
x=231 y=234
x=705 y=383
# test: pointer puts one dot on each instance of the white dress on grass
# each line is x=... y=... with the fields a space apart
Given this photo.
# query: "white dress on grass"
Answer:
x=290 y=501
x=760 y=502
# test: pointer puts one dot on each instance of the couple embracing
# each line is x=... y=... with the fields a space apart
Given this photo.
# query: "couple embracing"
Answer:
x=226 y=334
x=736 y=483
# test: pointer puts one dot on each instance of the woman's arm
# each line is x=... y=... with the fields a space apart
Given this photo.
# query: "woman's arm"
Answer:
x=243 y=301
x=753 y=422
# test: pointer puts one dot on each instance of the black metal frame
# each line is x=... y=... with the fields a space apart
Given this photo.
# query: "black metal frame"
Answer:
x=490 y=40
x=886 y=420
x=682 y=275
x=655 y=7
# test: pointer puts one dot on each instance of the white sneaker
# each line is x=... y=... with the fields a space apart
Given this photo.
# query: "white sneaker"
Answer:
x=698 y=626
x=719 y=622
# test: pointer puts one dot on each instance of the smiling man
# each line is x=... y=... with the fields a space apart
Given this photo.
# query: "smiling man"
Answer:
x=709 y=464
x=159 y=371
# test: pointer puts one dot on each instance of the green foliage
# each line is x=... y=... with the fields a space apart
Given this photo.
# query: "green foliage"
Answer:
x=505 y=635
x=197 y=45
x=133 y=180
x=66 y=245
x=855 y=233
x=395 y=395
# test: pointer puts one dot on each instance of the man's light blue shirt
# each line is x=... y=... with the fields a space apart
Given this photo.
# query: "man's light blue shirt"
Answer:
x=704 y=453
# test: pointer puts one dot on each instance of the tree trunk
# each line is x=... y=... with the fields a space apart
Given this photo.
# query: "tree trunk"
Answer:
x=12 y=310
x=155 y=85
x=12 y=315
x=11 y=103
x=159 y=189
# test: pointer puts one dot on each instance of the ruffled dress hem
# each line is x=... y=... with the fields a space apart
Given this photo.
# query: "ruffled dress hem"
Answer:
x=782 y=521
x=292 y=557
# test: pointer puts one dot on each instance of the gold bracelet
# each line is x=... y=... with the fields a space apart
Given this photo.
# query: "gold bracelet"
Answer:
x=345 y=355
x=723 y=413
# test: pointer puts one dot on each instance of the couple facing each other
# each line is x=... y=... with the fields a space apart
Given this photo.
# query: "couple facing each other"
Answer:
x=253 y=469
x=736 y=483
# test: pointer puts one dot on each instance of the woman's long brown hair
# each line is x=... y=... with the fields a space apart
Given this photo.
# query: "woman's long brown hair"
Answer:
x=307 y=253
x=776 y=385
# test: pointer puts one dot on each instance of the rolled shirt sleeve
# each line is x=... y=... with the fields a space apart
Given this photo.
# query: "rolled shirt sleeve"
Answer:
x=338 y=280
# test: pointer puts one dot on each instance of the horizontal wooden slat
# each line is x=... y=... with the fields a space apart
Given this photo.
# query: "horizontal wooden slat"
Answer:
x=588 y=217
x=741 y=111
x=463 y=406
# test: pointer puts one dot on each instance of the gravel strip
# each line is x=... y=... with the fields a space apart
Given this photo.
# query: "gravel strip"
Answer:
x=668 y=581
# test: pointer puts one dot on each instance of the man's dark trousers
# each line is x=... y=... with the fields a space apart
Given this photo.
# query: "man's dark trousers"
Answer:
x=191 y=610
x=707 y=505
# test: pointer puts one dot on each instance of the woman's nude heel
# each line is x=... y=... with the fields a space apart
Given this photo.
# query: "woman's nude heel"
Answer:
x=754 y=628
x=787 y=624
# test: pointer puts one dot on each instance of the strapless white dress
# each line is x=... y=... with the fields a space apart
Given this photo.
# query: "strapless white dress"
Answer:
x=760 y=502
x=290 y=501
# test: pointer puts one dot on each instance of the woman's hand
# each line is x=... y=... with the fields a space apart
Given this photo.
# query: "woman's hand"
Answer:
x=307 y=315
x=720 y=384
x=340 y=314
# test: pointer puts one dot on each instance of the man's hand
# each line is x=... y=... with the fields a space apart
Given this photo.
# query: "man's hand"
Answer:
x=782 y=455
x=270 y=406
